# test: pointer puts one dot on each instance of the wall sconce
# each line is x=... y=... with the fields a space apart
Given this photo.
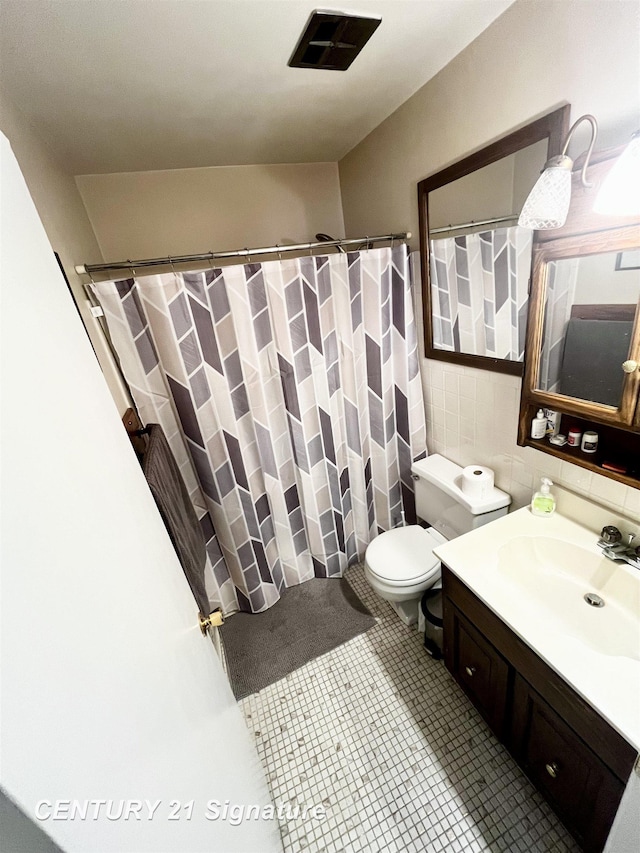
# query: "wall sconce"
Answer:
x=547 y=204
x=620 y=190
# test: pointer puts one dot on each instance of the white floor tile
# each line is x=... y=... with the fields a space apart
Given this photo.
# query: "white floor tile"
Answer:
x=382 y=736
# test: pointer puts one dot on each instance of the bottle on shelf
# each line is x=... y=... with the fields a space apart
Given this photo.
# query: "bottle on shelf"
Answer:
x=539 y=425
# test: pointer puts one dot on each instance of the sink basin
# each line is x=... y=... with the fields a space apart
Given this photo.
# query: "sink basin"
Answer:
x=554 y=575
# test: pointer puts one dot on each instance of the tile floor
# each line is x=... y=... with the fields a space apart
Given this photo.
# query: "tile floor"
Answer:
x=381 y=735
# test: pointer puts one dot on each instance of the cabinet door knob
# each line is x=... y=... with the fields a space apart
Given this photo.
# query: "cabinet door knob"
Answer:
x=630 y=366
x=470 y=670
x=552 y=769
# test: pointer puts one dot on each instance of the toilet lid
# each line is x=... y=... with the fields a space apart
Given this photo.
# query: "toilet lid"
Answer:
x=402 y=555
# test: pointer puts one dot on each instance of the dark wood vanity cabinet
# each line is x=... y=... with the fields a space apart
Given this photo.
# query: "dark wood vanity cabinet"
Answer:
x=479 y=669
x=582 y=789
x=572 y=755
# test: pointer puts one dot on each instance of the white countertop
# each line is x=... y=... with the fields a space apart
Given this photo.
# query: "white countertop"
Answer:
x=487 y=561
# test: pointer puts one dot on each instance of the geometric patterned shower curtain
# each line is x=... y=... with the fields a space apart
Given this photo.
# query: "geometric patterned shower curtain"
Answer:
x=479 y=292
x=559 y=299
x=290 y=394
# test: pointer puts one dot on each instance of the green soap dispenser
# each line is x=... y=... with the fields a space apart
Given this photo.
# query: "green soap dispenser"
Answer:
x=543 y=502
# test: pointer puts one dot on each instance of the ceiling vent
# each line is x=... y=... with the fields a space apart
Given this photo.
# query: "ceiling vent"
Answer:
x=332 y=41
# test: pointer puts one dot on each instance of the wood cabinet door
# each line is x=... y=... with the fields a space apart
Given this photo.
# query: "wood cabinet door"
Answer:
x=581 y=789
x=479 y=669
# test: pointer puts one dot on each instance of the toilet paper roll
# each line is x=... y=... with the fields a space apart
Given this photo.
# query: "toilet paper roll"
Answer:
x=477 y=481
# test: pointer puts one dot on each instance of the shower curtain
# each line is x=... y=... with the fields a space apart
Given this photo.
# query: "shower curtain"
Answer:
x=560 y=296
x=291 y=396
x=479 y=290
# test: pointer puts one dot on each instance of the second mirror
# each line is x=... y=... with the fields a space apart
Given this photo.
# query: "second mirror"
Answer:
x=589 y=314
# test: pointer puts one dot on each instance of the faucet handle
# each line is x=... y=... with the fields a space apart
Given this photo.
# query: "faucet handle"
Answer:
x=611 y=535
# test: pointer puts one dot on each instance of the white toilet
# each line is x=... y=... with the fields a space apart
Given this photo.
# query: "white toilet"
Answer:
x=399 y=564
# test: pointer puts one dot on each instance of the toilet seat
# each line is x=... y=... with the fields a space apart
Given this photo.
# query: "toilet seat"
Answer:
x=403 y=556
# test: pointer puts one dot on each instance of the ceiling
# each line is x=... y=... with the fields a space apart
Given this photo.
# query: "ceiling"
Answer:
x=164 y=84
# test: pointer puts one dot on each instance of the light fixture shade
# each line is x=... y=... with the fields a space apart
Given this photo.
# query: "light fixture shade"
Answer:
x=548 y=202
x=620 y=191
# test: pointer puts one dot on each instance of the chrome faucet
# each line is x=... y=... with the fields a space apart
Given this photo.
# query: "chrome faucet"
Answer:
x=613 y=547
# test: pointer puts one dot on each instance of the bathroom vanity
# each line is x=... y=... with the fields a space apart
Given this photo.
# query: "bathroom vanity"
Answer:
x=554 y=678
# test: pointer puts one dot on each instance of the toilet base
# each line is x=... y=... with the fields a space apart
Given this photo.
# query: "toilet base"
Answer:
x=407 y=610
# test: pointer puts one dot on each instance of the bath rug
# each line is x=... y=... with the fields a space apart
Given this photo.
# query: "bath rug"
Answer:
x=308 y=621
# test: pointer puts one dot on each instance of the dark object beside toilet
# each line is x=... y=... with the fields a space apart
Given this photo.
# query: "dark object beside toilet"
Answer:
x=431 y=605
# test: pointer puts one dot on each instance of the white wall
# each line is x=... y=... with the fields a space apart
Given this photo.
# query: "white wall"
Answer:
x=499 y=189
x=625 y=831
x=65 y=220
x=599 y=282
x=535 y=57
x=109 y=690
x=483 y=194
x=190 y=211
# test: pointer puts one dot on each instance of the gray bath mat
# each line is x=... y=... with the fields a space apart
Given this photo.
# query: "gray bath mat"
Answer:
x=309 y=620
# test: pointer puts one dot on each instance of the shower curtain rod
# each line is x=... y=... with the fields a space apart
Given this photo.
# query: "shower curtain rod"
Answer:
x=89 y=269
x=495 y=221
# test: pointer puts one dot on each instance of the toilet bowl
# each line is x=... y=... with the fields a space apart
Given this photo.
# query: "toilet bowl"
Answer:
x=400 y=565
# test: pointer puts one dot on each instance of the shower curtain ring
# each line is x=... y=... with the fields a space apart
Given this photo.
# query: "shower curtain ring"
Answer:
x=392 y=240
x=90 y=276
x=131 y=267
x=211 y=260
x=279 y=252
x=247 y=255
x=173 y=269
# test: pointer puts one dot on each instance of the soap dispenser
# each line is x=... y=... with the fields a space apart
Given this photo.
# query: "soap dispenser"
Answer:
x=543 y=502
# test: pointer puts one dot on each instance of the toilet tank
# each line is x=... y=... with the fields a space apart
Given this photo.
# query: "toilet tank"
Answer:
x=441 y=503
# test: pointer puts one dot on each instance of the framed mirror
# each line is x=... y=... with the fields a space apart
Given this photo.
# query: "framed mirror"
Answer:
x=584 y=335
x=475 y=261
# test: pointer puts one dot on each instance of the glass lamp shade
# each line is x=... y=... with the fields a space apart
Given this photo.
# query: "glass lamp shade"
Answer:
x=620 y=191
x=548 y=202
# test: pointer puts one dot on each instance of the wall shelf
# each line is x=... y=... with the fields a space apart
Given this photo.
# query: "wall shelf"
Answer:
x=577 y=457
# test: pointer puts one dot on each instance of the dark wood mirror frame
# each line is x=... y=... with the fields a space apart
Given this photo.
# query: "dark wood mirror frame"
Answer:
x=553 y=127
x=585 y=233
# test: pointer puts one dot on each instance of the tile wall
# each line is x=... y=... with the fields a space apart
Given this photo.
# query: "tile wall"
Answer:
x=472 y=418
